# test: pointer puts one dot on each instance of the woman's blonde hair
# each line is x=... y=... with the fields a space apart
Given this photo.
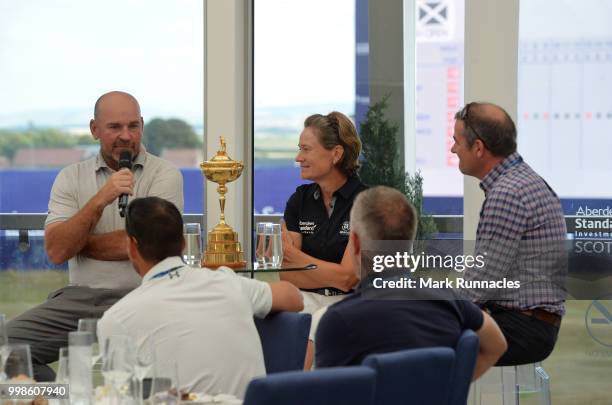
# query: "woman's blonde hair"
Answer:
x=334 y=129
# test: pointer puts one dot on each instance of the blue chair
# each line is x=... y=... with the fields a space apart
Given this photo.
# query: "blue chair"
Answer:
x=466 y=352
x=416 y=376
x=284 y=336
x=329 y=386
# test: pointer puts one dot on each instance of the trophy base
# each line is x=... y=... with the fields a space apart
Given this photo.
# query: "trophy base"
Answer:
x=223 y=249
x=231 y=265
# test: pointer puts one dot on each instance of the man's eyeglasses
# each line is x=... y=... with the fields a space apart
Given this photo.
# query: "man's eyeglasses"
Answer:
x=464 y=116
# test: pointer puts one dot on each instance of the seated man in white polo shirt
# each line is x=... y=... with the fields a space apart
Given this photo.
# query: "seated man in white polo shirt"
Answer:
x=200 y=319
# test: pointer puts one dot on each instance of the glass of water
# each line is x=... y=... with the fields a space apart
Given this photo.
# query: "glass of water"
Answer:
x=62 y=375
x=276 y=252
x=165 y=387
x=269 y=245
x=18 y=362
x=118 y=365
x=3 y=332
x=4 y=347
x=262 y=244
x=192 y=254
x=91 y=325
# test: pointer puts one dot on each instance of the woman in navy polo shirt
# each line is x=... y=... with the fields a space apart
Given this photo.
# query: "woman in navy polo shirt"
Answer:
x=316 y=228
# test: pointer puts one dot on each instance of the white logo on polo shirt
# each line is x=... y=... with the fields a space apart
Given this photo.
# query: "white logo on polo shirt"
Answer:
x=345 y=229
x=307 y=227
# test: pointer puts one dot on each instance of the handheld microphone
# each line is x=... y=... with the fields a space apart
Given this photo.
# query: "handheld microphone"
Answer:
x=125 y=160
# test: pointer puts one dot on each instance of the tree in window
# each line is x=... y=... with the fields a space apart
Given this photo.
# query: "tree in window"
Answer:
x=172 y=133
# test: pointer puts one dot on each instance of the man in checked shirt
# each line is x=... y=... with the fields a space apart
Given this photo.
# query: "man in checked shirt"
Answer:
x=521 y=234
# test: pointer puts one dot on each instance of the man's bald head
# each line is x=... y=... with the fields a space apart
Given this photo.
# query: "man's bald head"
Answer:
x=493 y=125
x=492 y=112
x=111 y=96
x=117 y=125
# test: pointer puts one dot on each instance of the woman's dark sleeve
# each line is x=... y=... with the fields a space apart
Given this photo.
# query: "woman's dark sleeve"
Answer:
x=292 y=212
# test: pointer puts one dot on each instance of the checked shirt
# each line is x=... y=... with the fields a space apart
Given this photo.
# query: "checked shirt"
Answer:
x=522 y=230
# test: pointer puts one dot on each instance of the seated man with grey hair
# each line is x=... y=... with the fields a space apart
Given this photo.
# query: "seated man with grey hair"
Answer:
x=382 y=321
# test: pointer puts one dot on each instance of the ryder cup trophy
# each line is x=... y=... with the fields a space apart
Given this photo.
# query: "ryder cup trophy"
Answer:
x=223 y=248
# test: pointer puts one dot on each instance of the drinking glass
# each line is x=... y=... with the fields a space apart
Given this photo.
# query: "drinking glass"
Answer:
x=62 y=375
x=91 y=325
x=192 y=254
x=276 y=249
x=269 y=245
x=262 y=243
x=79 y=366
x=18 y=361
x=145 y=359
x=164 y=385
x=4 y=349
x=3 y=332
x=118 y=366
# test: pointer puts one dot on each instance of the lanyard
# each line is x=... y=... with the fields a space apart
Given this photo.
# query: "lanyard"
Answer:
x=163 y=273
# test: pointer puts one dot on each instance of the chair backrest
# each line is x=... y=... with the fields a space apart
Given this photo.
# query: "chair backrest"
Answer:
x=330 y=386
x=284 y=336
x=416 y=376
x=466 y=352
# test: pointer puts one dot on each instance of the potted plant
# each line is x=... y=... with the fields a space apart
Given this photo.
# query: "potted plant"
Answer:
x=381 y=164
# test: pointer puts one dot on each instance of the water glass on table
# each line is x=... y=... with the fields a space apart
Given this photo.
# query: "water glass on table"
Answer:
x=118 y=366
x=3 y=333
x=261 y=243
x=192 y=254
x=62 y=375
x=79 y=366
x=3 y=346
x=165 y=388
x=18 y=362
x=277 y=247
x=269 y=246
x=91 y=325
x=145 y=359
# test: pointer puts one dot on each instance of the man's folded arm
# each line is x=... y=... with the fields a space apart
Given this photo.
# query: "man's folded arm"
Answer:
x=108 y=246
x=111 y=246
x=65 y=239
x=286 y=297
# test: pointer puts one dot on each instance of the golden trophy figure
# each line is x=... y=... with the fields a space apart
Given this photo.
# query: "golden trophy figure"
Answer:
x=223 y=248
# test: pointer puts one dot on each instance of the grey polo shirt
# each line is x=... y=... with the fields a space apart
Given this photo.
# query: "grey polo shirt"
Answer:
x=76 y=184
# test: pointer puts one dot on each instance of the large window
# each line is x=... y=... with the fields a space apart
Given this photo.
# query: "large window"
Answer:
x=564 y=128
x=321 y=63
x=304 y=63
x=565 y=97
x=57 y=57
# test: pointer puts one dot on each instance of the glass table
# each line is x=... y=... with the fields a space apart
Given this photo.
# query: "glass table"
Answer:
x=252 y=270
